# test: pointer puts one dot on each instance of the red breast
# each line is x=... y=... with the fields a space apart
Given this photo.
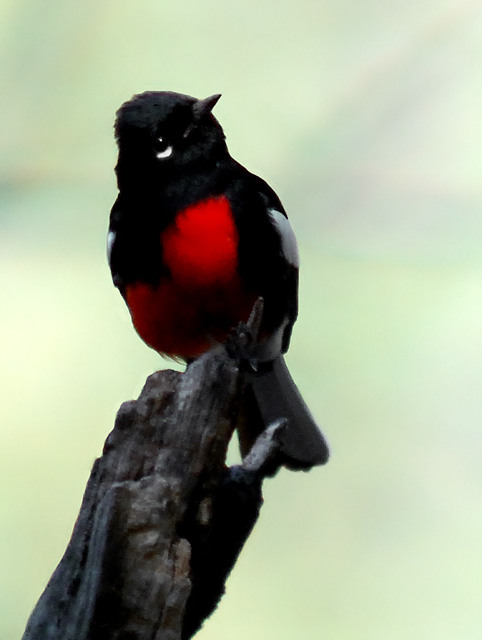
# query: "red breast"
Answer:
x=202 y=298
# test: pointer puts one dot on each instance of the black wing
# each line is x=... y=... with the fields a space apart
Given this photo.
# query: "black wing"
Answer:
x=133 y=249
x=268 y=255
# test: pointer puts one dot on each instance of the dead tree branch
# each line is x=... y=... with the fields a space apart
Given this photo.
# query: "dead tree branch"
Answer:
x=162 y=520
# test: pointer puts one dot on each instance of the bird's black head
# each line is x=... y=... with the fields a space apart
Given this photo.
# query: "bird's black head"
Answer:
x=158 y=132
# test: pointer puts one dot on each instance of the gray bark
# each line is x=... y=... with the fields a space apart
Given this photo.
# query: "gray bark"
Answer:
x=162 y=520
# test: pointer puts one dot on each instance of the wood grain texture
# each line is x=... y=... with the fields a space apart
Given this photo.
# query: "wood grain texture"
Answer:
x=162 y=520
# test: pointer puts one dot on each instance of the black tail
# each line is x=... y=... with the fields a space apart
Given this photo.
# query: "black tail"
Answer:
x=273 y=395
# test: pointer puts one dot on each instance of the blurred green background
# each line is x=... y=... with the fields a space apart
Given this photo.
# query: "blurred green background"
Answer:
x=366 y=118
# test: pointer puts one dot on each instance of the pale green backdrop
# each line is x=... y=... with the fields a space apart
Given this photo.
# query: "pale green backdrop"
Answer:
x=366 y=118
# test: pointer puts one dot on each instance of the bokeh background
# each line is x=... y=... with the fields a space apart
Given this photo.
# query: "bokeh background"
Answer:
x=366 y=118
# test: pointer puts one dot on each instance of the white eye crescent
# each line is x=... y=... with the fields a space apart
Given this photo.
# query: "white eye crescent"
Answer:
x=163 y=149
x=164 y=154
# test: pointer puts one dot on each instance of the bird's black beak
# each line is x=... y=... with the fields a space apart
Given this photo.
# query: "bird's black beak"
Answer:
x=202 y=107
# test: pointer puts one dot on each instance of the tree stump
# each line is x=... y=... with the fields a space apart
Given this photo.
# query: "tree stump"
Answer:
x=162 y=520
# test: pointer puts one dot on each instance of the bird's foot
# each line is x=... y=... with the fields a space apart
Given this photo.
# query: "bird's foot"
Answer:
x=241 y=341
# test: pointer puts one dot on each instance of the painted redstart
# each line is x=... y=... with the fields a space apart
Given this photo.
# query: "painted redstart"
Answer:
x=194 y=240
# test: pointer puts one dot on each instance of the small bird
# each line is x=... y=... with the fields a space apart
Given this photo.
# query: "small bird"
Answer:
x=194 y=240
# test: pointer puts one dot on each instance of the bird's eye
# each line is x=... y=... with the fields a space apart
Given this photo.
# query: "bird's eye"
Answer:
x=162 y=148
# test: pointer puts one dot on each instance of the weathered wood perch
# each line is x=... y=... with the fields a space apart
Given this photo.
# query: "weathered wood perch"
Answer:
x=162 y=520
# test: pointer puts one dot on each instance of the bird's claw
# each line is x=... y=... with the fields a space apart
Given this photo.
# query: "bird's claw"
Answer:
x=245 y=336
x=238 y=346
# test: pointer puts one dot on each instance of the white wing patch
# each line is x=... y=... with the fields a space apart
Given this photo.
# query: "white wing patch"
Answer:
x=289 y=245
x=110 y=242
